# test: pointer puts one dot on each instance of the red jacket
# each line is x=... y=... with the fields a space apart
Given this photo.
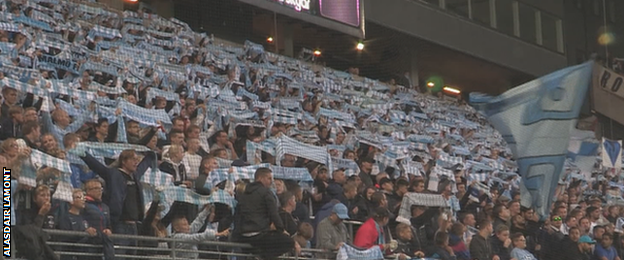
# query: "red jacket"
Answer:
x=367 y=235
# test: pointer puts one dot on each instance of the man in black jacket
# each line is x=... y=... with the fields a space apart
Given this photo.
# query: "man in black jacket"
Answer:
x=480 y=248
x=257 y=221
x=123 y=192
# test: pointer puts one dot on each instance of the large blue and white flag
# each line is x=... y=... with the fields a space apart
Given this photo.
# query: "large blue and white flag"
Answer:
x=535 y=119
x=582 y=144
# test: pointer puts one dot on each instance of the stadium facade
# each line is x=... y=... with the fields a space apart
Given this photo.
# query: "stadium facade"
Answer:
x=474 y=45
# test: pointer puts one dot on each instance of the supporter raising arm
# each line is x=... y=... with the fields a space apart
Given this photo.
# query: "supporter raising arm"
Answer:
x=124 y=193
x=188 y=234
x=59 y=124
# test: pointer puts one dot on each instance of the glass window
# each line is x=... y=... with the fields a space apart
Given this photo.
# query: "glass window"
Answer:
x=597 y=6
x=504 y=16
x=527 y=23
x=459 y=7
x=611 y=11
x=433 y=2
x=549 y=32
x=481 y=11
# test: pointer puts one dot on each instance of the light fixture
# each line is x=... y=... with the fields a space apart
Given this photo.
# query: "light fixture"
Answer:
x=132 y=1
x=269 y=39
x=317 y=53
x=430 y=84
x=451 y=90
x=360 y=46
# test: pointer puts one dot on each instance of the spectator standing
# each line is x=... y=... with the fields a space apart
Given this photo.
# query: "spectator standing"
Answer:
x=287 y=205
x=366 y=166
x=75 y=221
x=208 y=164
x=222 y=142
x=12 y=127
x=347 y=197
x=192 y=158
x=124 y=193
x=188 y=236
x=38 y=214
x=256 y=214
x=30 y=240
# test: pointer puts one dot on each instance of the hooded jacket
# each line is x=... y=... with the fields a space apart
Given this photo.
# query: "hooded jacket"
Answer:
x=176 y=170
x=257 y=210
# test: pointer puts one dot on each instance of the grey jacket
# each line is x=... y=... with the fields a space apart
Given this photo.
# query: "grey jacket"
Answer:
x=328 y=236
x=193 y=237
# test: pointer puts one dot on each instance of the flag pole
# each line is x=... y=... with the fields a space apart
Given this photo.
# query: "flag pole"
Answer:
x=606 y=44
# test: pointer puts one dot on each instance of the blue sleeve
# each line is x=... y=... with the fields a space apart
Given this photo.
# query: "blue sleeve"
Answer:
x=85 y=176
x=148 y=161
x=78 y=122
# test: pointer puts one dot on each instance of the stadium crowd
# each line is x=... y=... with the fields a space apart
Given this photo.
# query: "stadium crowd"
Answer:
x=128 y=123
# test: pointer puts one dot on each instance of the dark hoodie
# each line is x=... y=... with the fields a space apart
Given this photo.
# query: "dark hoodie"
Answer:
x=256 y=210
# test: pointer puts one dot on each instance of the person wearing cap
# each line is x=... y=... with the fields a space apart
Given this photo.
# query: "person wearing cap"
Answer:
x=331 y=233
x=580 y=252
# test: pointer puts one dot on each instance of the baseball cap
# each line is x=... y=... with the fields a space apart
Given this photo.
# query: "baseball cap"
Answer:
x=341 y=211
x=586 y=239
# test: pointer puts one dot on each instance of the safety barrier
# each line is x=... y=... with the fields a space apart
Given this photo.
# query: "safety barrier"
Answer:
x=229 y=250
x=352 y=225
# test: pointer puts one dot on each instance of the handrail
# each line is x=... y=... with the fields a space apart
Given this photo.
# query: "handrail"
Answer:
x=167 y=253
x=349 y=224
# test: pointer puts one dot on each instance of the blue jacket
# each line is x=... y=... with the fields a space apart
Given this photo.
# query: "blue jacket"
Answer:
x=115 y=191
x=97 y=214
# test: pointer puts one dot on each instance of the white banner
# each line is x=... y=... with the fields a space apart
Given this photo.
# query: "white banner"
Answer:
x=610 y=81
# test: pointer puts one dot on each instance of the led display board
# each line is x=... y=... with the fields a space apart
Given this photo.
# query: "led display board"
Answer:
x=345 y=16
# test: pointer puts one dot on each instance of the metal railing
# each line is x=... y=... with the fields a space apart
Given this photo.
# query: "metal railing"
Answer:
x=217 y=249
x=350 y=225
